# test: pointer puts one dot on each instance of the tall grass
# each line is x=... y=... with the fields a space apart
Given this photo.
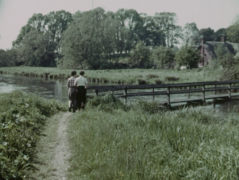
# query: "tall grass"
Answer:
x=22 y=117
x=140 y=144
x=125 y=76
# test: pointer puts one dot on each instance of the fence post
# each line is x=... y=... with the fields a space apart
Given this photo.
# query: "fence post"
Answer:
x=168 y=94
x=153 y=94
x=215 y=87
x=230 y=90
x=125 y=94
x=189 y=91
x=96 y=92
x=203 y=93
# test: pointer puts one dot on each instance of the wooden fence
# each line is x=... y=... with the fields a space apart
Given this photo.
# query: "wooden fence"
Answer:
x=170 y=89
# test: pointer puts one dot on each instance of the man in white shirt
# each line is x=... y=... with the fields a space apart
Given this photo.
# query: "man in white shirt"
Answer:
x=81 y=83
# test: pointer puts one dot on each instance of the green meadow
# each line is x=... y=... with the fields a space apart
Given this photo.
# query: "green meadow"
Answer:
x=109 y=141
x=121 y=76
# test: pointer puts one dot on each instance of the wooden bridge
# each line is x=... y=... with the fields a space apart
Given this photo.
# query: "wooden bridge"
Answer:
x=227 y=90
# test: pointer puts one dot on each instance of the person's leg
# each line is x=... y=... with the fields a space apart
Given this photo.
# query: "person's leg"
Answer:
x=70 y=100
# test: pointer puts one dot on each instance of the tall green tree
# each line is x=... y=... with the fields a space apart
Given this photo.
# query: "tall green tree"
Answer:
x=166 y=23
x=37 y=22
x=233 y=33
x=219 y=33
x=190 y=34
x=57 y=23
x=82 y=42
x=37 y=49
x=207 y=33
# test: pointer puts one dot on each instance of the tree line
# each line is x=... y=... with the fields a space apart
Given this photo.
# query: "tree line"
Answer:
x=97 y=39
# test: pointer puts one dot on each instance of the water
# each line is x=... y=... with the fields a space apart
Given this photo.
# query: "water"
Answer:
x=57 y=89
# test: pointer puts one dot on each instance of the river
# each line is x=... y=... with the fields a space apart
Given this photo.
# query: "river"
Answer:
x=57 y=89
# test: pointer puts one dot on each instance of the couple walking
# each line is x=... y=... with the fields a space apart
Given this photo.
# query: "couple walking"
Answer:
x=77 y=91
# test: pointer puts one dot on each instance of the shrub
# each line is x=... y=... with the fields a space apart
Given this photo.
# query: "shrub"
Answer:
x=107 y=103
x=148 y=107
x=171 y=78
x=149 y=76
x=157 y=81
x=21 y=120
x=141 y=81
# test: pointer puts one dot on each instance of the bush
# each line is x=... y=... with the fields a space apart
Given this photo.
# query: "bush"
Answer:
x=107 y=103
x=149 y=76
x=21 y=120
x=171 y=78
x=148 y=107
x=157 y=81
x=141 y=81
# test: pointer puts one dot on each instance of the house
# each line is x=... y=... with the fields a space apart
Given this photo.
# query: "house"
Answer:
x=207 y=50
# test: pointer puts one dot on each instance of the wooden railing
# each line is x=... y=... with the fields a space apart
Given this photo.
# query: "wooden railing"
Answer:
x=169 y=89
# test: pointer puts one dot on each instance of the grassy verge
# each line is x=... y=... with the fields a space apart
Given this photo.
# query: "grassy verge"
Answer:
x=22 y=117
x=143 y=144
x=122 y=76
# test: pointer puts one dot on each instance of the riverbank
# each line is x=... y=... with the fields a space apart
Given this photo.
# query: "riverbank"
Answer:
x=22 y=119
x=142 y=142
x=121 y=76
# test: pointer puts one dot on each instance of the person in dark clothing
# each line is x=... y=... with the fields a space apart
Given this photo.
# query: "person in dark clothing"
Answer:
x=81 y=83
x=72 y=92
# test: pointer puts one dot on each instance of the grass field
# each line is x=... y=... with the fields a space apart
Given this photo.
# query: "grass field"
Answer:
x=143 y=144
x=122 y=76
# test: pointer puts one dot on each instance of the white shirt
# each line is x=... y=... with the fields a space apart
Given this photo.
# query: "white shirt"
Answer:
x=81 y=81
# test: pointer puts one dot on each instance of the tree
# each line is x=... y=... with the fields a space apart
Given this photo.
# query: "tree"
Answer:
x=187 y=56
x=37 y=49
x=233 y=33
x=219 y=33
x=207 y=33
x=162 y=55
x=37 y=22
x=57 y=23
x=82 y=42
x=140 y=56
x=147 y=32
x=190 y=34
x=166 y=23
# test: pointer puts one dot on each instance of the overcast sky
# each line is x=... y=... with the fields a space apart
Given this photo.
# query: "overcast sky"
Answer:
x=205 y=13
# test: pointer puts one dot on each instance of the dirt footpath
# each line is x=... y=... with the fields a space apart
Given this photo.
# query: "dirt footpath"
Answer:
x=53 y=149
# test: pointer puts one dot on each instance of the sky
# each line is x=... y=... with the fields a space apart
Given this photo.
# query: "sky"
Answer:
x=215 y=14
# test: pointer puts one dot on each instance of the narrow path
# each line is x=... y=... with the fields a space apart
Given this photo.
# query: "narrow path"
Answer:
x=52 y=151
x=62 y=152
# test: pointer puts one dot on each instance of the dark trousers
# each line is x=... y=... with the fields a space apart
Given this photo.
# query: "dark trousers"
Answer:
x=72 y=93
x=81 y=96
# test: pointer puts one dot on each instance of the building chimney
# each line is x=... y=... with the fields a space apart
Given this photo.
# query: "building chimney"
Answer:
x=223 y=39
x=202 y=40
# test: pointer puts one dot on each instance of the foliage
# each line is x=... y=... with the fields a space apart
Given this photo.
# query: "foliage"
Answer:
x=190 y=34
x=140 y=56
x=37 y=49
x=8 y=57
x=185 y=144
x=106 y=103
x=233 y=33
x=207 y=33
x=162 y=55
x=22 y=117
x=166 y=23
x=220 y=32
x=230 y=68
x=187 y=56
